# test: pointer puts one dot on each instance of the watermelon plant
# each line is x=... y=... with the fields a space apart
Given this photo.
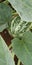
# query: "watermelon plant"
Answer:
x=16 y=17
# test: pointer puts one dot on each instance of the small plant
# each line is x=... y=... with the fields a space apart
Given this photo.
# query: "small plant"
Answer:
x=17 y=19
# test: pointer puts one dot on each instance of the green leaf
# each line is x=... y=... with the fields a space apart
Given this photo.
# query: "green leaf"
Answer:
x=23 y=48
x=24 y=8
x=5 y=13
x=5 y=54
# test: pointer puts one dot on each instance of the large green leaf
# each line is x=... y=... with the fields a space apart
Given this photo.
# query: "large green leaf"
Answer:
x=24 y=8
x=5 y=13
x=5 y=54
x=23 y=48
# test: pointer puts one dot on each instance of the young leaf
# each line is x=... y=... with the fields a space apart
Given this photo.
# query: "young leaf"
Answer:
x=5 y=54
x=23 y=48
x=15 y=24
x=24 y=8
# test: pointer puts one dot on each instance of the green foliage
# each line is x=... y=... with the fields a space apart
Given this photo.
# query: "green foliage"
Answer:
x=5 y=16
x=5 y=13
x=5 y=54
x=23 y=48
x=23 y=8
x=18 y=27
x=17 y=19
